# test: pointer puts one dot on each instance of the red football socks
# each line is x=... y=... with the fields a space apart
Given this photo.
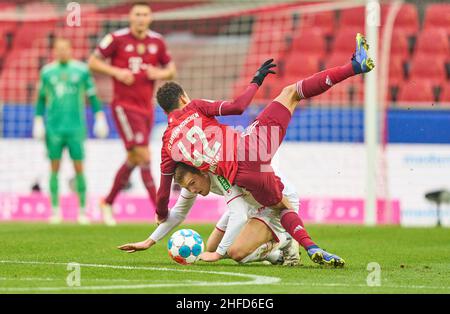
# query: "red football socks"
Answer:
x=322 y=81
x=292 y=223
x=148 y=182
x=121 y=179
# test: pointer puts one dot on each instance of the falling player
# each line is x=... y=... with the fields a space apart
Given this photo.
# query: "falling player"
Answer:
x=195 y=137
x=62 y=89
x=139 y=57
x=260 y=238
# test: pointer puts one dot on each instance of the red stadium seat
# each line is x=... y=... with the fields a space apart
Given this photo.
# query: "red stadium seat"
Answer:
x=344 y=42
x=309 y=42
x=337 y=59
x=437 y=16
x=353 y=18
x=325 y=21
x=445 y=94
x=416 y=91
x=396 y=73
x=300 y=66
x=426 y=68
x=407 y=20
x=399 y=45
x=433 y=43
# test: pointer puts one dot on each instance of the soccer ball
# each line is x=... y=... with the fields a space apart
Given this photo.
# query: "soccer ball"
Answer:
x=185 y=246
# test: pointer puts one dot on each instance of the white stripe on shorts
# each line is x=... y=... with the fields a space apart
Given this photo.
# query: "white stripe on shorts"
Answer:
x=124 y=124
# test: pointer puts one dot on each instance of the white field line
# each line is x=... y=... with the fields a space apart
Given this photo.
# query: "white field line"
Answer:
x=257 y=280
x=254 y=279
x=309 y=284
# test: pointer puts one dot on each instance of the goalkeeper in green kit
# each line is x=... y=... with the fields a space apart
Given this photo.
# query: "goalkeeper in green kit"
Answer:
x=63 y=85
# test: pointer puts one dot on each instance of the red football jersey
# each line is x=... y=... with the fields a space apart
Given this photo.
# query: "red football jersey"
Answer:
x=195 y=137
x=127 y=51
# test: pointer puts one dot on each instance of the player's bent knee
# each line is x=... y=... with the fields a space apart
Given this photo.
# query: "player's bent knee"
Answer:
x=236 y=254
x=290 y=90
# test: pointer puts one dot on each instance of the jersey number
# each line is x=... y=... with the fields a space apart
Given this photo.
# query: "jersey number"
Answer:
x=196 y=158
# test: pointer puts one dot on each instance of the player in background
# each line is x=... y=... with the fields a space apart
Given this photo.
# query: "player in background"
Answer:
x=138 y=58
x=258 y=238
x=62 y=88
x=195 y=137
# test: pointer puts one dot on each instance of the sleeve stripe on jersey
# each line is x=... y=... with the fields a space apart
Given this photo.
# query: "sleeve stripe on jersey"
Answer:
x=167 y=174
x=187 y=198
x=220 y=108
x=299 y=87
x=234 y=198
x=223 y=231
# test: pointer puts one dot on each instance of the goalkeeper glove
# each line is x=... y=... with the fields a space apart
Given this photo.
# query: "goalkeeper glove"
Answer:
x=38 y=128
x=263 y=71
x=101 y=128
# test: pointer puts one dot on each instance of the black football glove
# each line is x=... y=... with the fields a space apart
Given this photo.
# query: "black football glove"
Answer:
x=263 y=71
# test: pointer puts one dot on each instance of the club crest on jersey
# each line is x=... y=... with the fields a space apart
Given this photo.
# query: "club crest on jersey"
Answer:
x=139 y=137
x=129 y=48
x=140 y=48
x=152 y=48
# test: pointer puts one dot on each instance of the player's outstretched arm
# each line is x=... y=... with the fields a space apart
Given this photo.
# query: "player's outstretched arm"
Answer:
x=237 y=208
x=240 y=104
x=176 y=216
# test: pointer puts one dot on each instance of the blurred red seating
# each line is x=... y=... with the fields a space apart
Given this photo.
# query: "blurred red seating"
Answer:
x=437 y=16
x=344 y=42
x=399 y=45
x=426 y=68
x=416 y=91
x=309 y=42
x=396 y=73
x=433 y=43
x=445 y=94
x=325 y=21
x=300 y=66
x=406 y=21
x=337 y=59
x=353 y=18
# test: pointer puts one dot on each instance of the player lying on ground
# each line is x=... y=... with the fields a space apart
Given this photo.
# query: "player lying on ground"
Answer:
x=260 y=238
x=197 y=182
x=63 y=85
x=195 y=137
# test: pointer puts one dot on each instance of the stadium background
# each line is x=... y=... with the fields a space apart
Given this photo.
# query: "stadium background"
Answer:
x=217 y=45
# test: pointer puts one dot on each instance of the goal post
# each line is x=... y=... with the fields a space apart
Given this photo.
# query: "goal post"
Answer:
x=371 y=115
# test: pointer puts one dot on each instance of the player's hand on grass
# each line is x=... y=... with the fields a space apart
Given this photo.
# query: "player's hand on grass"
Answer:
x=101 y=128
x=263 y=71
x=124 y=75
x=38 y=128
x=210 y=256
x=138 y=246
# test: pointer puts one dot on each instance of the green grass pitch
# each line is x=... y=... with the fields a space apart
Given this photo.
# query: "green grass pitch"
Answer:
x=34 y=259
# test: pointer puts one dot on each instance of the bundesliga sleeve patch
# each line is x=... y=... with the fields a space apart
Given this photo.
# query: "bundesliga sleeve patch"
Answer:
x=106 y=41
x=224 y=183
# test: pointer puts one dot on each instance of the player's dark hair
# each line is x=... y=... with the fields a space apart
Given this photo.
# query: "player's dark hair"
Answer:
x=182 y=169
x=168 y=96
x=136 y=3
